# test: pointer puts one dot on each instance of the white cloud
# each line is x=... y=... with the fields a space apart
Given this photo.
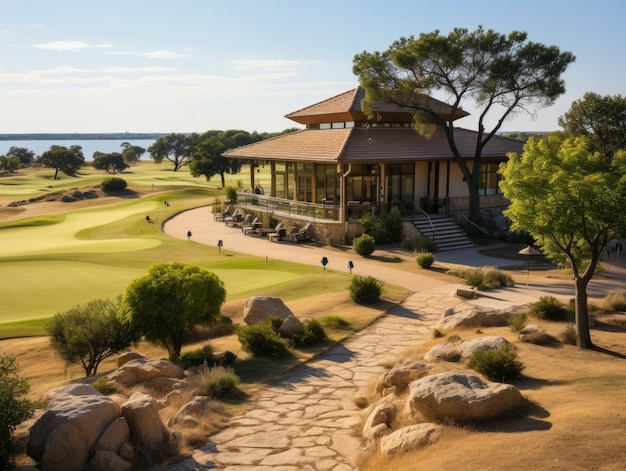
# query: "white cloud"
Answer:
x=63 y=46
x=162 y=54
x=104 y=45
x=128 y=70
x=272 y=64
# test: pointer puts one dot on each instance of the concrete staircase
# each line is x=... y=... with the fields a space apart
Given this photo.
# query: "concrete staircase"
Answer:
x=446 y=234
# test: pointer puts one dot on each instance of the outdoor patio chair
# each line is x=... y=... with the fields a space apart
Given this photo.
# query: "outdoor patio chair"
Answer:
x=265 y=232
x=255 y=224
x=219 y=216
x=237 y=216
x=238 y=223
x=301 y=235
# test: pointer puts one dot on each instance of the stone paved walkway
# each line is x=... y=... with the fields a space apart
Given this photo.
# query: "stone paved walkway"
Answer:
x=307 y=420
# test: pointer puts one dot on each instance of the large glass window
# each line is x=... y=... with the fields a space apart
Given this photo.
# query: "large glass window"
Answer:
x=326 y=184
x=361 y=183
x=400 y=182
x=489 y=178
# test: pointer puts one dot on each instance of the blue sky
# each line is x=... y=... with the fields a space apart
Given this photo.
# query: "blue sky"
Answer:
x=192 y=65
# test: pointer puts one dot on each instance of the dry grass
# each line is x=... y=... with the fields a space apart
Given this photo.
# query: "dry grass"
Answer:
x=573 y=419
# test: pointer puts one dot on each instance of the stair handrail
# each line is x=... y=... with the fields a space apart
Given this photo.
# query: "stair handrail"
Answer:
x=474 y=224
x=428 y=218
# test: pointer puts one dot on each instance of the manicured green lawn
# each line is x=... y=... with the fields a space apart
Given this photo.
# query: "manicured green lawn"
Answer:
x=49 y=264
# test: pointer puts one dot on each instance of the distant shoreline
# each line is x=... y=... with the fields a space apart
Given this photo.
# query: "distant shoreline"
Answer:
x=80 y=136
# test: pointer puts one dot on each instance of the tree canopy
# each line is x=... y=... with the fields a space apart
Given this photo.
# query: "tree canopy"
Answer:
x=170 y=300
x=500 y=74
x=15 y=407
x=25 y=155
x=207 y=159
x=111 y=163
x=87 y=334
x=601 y=118
x=131 y=154
x=175 y=147
x=61 y=158
x=572 y=202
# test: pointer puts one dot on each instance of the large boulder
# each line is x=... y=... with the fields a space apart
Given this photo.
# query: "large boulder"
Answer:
x=125 y=357
x=62 y=439
x=381 y=414
x=409 y=438
x=400 y=377
x=104 y=460
x=492 y=342
x=114 y=436
x=190 y=414
x=146 y=427
x=290 y=324
x=259 y=308
x=141 y=370
x=471 y=315
x=464 y=349
x=460 y=397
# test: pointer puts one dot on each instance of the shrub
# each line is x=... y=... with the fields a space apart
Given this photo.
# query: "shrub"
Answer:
x=537 y=338
x=365 y=289
x=14 y=406
x=364 y=244
x=335 y=322
x=261 y=340
x=103 y=386
x=487 y=278
x=615 y=300
x=231 y=193
x=568 y=336
x=418 y=244
x=385 y=229
x=113 y=184
x=197 y=357
x=311 y=333
x=217 y=382
x=425 y=260
x=497 y=365
x=517 y=321
x=549 y=308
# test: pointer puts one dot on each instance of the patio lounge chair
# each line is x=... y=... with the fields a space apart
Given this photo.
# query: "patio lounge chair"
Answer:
x=255 y=224
x=219 y=216
x=301 y=235
x=237 y=216
x=265 y=232
x=238 y=223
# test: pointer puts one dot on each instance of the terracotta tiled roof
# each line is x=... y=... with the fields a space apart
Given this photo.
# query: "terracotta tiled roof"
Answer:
x=371 y=145
x=347 y=107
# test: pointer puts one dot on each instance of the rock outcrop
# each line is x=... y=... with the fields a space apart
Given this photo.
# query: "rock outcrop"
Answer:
x=472 y=315
x=460 y=397
x=259 y=308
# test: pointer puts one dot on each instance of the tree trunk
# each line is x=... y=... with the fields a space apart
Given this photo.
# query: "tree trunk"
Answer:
x=56 y=173
x=583 y=337
x=224 y=179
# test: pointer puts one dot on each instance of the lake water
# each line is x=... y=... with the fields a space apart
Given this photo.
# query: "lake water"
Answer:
x=89 y=146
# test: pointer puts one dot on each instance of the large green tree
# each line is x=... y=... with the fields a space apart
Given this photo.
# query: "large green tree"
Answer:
x=572 y=202
x=170 y=300
x=88 y=334
x=63 y=159
x=132 y=154
x=175 y=147
x=25 y=155
x=207 y=159
x=15 y=407
x=111 y=163
x=497 y=74
x=601 y=118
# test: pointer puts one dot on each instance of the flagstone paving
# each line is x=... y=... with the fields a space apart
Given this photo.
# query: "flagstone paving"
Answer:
x=307 y=420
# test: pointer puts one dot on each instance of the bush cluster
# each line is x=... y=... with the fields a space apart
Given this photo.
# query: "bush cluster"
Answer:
x=615 y=300
x=312 y=333
x=425 y=260
x=335 y=322
x=197 y=357
x=113 y=184
x=365 y=289
x=418 y=244
x=385 y=229
x=364 y=244
x=550 y=308
x=487 y=278
x=497 y=365
x=217 y=382
x=263 y=340
x=14 y=405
